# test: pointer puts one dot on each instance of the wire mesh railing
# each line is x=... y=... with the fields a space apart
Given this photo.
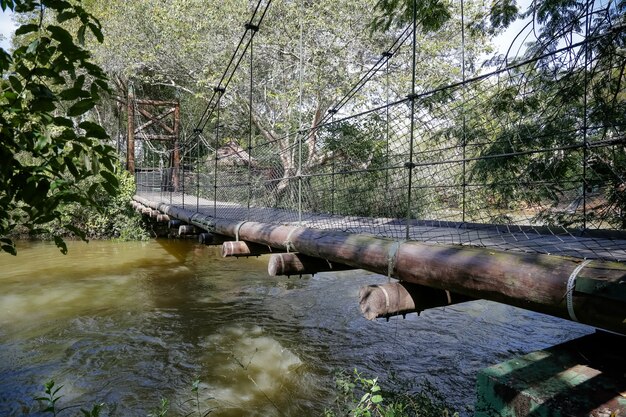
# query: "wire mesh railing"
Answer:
x=529 y=157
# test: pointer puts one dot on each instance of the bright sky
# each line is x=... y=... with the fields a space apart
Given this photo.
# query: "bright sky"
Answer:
x=503 y=41
x=7 y=27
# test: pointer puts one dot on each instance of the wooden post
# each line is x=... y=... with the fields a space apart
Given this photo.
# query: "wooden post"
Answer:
x=299 y=264
x=395 y=298
x=176 y=152
x=187 y=229
x=212 y=239
x=175 y=223
x=163 y=218
x=130 y=140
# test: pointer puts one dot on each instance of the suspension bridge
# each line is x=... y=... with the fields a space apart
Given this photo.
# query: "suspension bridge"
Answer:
x=482 y=188
x=518 y=202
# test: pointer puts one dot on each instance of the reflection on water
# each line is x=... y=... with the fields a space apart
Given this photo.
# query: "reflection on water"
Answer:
x=130 y=323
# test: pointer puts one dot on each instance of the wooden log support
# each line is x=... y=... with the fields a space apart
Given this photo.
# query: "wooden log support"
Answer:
x=299 y=264
x=395 y=298
x=542 y=283
x=212 y=239
x=146 y=211
x=163 y=218
x=240 y=249
x=187 y=230
x=175 y=224
x=154 y=214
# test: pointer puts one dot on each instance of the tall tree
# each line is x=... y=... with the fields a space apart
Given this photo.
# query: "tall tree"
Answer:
x=307 y=55
x=49 y=148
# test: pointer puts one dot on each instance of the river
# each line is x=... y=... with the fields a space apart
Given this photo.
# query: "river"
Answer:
x=129 y=323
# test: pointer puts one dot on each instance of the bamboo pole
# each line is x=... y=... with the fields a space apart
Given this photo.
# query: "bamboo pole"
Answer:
x=535 y=282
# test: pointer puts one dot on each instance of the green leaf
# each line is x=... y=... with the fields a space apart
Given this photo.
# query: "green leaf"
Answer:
x=63 y=121
x=61 y=35
x=32 y=47
x=78 y=232
x=111 y=179
x=72 y=94
x=63 y=247
x=81 y=107
x=66 y=15
x=81 y=35
x=80 y=81
x=43 y=104
x=28 y=28
x=376 y=399
x=72 y=167
x=110 y=189
x=16 y=85
x=94 y=130
x=97 y=32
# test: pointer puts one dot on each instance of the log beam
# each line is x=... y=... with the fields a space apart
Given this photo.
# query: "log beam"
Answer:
x=401 y=298
x=212 y=239
x=187 y=230
x=299 y=264
x=244 y=249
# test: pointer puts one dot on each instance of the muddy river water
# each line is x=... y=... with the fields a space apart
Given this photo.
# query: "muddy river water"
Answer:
x=129 y=323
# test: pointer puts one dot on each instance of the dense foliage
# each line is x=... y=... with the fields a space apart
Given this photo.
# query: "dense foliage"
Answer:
x=51 y=153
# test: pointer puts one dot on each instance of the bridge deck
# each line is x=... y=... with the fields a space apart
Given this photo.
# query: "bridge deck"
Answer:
x=609 y=246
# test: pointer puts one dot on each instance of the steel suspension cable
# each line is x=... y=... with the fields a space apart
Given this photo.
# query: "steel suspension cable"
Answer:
x=236 y=58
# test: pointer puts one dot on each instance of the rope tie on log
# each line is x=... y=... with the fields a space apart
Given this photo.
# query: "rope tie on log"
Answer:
x=237 y=228
x=391 y=257
x=387 y=302
x=288 y=244
x=571 y=284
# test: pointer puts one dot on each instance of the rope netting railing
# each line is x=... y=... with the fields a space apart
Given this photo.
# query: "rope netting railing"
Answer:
x=527 y=156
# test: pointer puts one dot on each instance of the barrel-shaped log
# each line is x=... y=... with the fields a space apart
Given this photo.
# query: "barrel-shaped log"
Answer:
x=163 y=218
x=175 y=223
x=395 y=298
x=241 y=248
x=187 y=230
x=299 y=264
x=146 y=211
x=212 y=239
x=154 y=214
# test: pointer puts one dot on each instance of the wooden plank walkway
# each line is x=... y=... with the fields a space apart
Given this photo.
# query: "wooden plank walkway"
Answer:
x=610 y=245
